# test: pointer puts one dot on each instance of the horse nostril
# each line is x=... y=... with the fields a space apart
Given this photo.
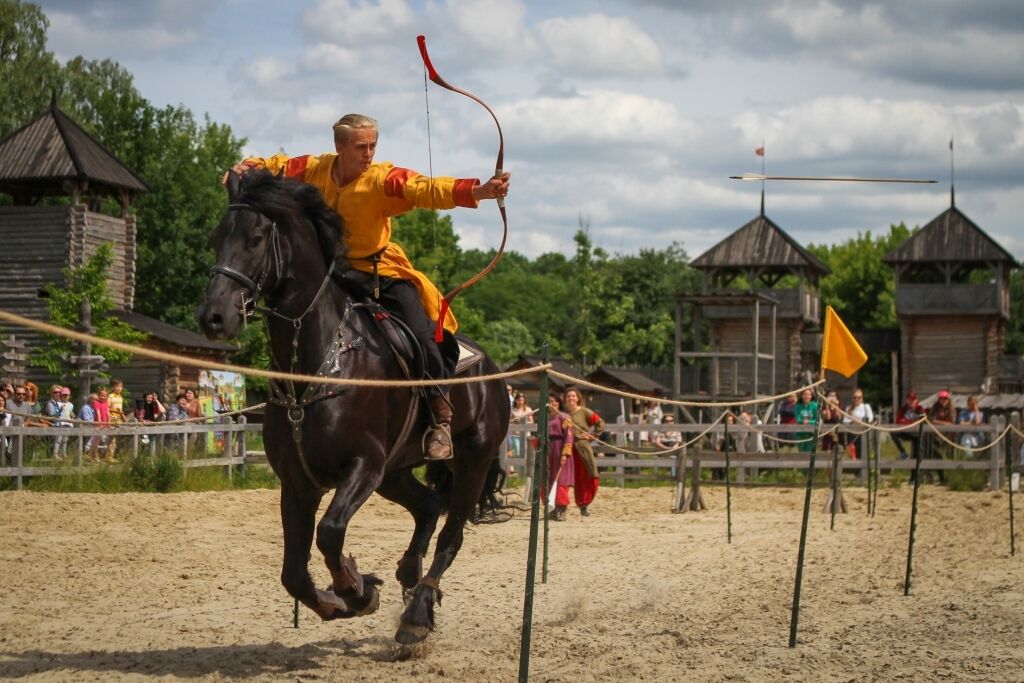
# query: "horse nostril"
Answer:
x=215 y=321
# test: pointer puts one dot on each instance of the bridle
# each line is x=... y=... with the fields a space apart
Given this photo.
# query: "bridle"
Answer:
x=272 y=262
x=282 y=392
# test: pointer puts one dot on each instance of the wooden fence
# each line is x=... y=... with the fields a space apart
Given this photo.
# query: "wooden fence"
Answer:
x=650 y=463
x=185 y=440
x=653 y=464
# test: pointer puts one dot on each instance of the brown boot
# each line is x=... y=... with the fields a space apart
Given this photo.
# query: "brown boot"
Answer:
x=437 y=442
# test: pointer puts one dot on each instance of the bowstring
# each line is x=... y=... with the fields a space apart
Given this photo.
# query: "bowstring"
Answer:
x=430 y=186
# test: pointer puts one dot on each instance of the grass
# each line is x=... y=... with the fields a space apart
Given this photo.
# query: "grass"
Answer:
x=162 y=473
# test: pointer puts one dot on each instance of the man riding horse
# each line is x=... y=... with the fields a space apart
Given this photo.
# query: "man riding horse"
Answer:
x=367 y=195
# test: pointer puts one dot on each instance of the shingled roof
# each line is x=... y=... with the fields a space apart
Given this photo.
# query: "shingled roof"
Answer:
x=950 y=236
x=759 y=243
x=52 y=148
x=178 y=336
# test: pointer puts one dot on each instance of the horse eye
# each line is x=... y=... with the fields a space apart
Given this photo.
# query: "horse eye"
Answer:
x=255 y=236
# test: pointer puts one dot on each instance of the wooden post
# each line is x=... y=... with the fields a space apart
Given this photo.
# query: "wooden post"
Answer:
x=995 y=458
x=228 y=448
x=680 y=503
x=728 y=483
x=19 y=452
x=695 y=499
x=1010 y=450
x=241 y=443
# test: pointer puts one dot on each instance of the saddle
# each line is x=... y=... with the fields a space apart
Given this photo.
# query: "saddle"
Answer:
x=457 y=351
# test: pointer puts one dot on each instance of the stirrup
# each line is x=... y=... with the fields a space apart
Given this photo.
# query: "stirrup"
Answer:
x=438 y=433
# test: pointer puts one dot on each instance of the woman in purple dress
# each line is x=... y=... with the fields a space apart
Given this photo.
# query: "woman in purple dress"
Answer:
x=560 y=466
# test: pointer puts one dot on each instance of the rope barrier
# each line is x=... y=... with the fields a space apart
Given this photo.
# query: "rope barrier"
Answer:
x=692 y=404
x=255 y=372
x=579 y=381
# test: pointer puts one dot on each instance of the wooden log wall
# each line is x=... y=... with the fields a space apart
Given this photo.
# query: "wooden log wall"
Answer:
x=735 y=336
x=946 y=352
x=33 y=251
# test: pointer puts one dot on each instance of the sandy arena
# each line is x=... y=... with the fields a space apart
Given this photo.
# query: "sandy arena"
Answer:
x=147 y=586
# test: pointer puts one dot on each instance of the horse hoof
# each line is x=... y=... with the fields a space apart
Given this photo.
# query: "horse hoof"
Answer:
x=410 y=634
x=372 y=602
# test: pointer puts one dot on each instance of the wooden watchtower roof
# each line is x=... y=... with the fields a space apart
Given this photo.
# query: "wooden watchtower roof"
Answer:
x=46 y=153
x=760 y=244
x=950 y=237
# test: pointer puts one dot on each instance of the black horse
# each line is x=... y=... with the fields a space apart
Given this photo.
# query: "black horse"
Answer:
x=278 y=241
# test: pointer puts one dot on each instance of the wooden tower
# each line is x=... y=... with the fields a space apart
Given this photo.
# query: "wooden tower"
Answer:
x=52 y=156
x=757 y=273
x=953 y=303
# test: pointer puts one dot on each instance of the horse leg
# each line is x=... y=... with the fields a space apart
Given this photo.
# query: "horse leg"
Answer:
x=298 y=515
x=418 y=618
x=350 y=594
x=423 y=504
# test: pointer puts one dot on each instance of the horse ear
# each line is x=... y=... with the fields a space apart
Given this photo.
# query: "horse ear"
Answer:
x=232 y=181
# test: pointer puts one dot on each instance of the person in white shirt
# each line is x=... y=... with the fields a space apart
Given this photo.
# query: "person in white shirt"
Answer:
x=858 y=412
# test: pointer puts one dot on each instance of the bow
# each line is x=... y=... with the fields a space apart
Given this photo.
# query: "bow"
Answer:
x=450 y=296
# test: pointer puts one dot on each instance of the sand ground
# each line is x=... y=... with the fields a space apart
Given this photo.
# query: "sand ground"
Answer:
x=147 y=586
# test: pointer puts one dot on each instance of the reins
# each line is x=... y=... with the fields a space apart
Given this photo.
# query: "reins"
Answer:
x=282 y=392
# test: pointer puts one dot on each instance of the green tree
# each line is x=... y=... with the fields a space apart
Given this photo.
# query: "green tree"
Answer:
x=598 y=308
x=861 y=287
x=182 y=162
x=430 y=242
x=29 y=73
x=651 y=279
x=64 y=301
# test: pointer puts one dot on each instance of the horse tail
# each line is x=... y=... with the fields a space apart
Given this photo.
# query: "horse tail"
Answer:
x=491 y=507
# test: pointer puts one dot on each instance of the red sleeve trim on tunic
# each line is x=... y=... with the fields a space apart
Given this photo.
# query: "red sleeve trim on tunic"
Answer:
x=394 y=184
x=462 y=193
x=296 y=167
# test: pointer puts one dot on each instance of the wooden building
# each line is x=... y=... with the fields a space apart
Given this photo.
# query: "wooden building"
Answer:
x=610 y=406
x=529 y=385
x=953 y=303
x=758 y=273
x=168 y=379
x=50 y=157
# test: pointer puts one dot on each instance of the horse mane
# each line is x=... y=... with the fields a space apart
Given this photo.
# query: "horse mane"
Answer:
x=286 y=200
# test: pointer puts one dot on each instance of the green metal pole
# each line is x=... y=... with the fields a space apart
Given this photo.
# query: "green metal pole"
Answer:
x=913 y=508
x=878 y=474
x=728 y=481
x=866 y=439
x=795 y=615
x=546 y=488
x=531 y=558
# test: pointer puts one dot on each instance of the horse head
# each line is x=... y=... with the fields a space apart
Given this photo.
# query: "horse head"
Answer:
x=274 y=231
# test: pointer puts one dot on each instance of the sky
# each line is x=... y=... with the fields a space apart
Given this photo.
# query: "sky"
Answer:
x=626 y=116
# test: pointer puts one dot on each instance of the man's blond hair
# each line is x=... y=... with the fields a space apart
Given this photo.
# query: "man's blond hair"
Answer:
x=349 y=122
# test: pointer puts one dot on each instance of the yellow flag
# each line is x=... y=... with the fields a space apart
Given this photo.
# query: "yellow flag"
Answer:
x=839 y=350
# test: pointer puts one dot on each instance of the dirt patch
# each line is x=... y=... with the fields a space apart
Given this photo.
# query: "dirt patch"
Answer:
x=139 y=586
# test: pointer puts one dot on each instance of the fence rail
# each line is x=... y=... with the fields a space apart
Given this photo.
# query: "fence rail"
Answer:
x=652 y=463
x=181 y=439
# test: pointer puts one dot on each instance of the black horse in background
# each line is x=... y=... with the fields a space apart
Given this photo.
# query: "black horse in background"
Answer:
x=278 y=241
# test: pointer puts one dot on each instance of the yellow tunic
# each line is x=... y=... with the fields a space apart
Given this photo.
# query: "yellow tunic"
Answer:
x=367 y=204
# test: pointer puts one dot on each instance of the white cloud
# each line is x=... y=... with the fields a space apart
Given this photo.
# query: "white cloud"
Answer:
x=491 y=31
x=357 y=24
x=855 y=127
x=599 y=45
x=597 y=119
